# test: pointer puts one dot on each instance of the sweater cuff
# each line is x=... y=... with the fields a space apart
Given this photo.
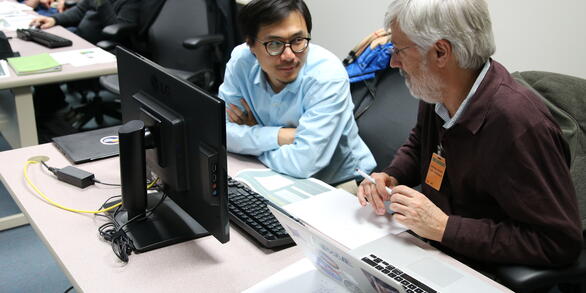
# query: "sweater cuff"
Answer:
x=57 y=22
x=395 y=172
x=450 y=233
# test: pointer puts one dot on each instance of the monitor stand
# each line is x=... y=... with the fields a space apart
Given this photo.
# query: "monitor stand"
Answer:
x=168 y=223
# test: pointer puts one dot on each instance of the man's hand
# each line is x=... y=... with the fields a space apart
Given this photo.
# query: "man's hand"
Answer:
x=59 y=4
x=286 y=136
x=235 y=115
x=376 y=194
x=418 y=213
x=43 y=22
x=46 y=3
x=31 y=3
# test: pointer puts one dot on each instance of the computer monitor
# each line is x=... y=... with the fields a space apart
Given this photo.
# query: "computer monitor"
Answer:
x=176 y=131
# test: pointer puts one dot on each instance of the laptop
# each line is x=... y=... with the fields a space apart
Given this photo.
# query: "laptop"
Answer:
x=388 y=264
x=333 y=260
x=90 y=145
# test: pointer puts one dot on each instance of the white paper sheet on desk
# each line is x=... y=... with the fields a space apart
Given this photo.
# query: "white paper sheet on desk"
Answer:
x=4 y=72
x=338 y=215
x=11 y=22
x=274 y=182
x=83 y=57
x=7 y=7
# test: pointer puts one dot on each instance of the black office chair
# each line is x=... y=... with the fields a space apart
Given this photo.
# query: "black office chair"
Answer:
x=192 y=39
x=92 y=104
x=564 y=96
x=385 y=112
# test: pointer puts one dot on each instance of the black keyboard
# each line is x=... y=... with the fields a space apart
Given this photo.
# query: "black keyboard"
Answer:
x=410 y=284
x=44 y=38
x=249 y=211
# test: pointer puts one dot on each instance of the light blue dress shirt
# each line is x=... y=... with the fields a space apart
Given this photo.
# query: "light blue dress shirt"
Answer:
x=318 y=104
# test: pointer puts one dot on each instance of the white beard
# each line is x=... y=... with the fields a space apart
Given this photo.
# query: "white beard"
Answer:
x=425 y=86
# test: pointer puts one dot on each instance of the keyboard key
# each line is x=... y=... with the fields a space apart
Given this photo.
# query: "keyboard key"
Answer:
x=368 y=261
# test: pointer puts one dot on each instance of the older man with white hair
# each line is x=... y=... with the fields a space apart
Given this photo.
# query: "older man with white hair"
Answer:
x=491 y=161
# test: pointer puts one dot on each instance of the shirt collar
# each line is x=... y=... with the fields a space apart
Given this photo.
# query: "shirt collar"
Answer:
x=442 y=111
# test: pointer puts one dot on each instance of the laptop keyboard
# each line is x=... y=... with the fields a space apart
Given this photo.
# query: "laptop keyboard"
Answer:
x=249 y=211
x=410 y=284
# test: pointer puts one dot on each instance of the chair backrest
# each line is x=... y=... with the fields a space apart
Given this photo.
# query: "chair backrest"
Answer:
x=179 y=20
x=385 y=112
x=565 y=96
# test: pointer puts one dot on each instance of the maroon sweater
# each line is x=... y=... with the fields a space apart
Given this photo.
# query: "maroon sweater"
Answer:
x=507 y=188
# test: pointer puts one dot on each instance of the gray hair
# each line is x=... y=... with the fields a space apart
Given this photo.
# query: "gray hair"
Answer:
x=464 y=23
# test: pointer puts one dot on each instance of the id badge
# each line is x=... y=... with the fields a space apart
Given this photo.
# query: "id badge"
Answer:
x=435 y=173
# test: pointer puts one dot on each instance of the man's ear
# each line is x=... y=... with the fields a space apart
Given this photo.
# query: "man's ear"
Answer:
x=442 y=52
x=250 y=43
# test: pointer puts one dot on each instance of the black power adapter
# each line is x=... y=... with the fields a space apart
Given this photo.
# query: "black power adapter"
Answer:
x=75 y=176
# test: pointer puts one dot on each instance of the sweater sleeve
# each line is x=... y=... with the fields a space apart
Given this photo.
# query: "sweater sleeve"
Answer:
x=128 y=12
x=72 y=16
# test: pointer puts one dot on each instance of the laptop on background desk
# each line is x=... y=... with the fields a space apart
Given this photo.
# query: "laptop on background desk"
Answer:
x=90 y=145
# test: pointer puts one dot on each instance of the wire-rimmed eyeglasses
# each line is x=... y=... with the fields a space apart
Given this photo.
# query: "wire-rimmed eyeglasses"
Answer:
x=396 y=51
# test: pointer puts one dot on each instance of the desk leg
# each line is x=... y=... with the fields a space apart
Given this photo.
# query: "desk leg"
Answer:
x=19 y=126
x=13 y=221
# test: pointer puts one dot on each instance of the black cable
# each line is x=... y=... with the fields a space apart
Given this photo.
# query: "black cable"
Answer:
x=107 y=215
x=103 y=183
x=114 y=233
x=51 y=169
x=68 y=289
x=54 y=171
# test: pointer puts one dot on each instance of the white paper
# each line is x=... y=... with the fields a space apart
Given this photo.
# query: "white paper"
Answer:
x=274 y=182
x=338 y=215
x=83 y=57
x=11 y=22
x=7 y=7
x=301 y=276
x=4 y=71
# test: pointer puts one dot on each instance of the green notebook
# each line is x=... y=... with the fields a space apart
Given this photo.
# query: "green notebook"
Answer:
x=34 y=64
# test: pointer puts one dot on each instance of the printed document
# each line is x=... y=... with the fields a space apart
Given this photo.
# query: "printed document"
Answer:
x=84 y=57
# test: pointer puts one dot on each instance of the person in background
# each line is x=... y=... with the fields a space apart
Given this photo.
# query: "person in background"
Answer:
x=86 y=19
x=288 y=100
x=491 y=160
x=48 y=7
x=89 y=17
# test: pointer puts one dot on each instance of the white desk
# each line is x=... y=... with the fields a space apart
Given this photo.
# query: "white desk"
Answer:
x=201 y=265
x=17 y=115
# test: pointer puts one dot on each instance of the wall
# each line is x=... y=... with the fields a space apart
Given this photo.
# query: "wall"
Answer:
x=551 y=36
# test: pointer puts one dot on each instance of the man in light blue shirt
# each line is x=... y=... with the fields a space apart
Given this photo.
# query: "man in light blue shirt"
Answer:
x=288 y=101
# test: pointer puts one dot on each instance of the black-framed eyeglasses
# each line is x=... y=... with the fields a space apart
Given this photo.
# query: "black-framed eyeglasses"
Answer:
x=275 y=47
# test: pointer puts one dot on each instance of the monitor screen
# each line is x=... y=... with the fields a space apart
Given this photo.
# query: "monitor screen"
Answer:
x=176 y=132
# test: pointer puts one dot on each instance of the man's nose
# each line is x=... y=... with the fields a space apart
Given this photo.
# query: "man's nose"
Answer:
x=287 y=54
x=394 y=63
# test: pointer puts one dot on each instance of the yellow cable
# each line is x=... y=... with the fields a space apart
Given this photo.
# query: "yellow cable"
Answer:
x=56 y=204
x=152 y=183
